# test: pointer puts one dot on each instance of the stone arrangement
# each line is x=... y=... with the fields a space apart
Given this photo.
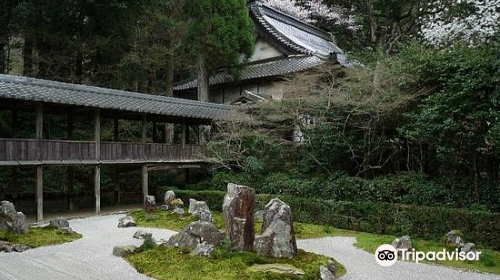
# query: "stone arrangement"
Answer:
x=328 y=272
x=11 y=220
x=277 y=238
x=196 y=234
x=62 y=224
x=238 y=213
x=150 y=203
x=141 y=234
x=9 y=247
x=177 y=206
x=453 y=238
x=403 y=243
x=168 y=198
x=126 y=221
x=121 y=251
x=200 y=210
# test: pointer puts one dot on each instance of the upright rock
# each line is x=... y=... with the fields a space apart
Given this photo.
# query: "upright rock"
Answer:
x=326 y=274
x=277 y=237
x=238 y=216
x=150 y=204
x=11 y=220
x=169 y=197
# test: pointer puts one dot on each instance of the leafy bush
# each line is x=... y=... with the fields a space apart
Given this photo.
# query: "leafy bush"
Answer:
x=378 y=217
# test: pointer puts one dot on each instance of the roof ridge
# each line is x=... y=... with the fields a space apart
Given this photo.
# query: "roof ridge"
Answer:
x=104 y=91
x=296 y=22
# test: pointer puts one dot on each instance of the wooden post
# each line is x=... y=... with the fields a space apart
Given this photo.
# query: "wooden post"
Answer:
x=184 y=137
x=169 y=133
x=39 y=168
x=144 y=129
x=97 y=189
x=69 y=169
x=144 y=166
x=115 y=130
x=145 y=181
x=97 y=168
x=154 y=132
x=39 y=193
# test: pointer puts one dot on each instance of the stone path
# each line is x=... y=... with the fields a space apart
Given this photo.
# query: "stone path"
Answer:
x=90 y=258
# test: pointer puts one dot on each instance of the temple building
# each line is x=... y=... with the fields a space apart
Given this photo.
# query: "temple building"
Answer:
x=284 y=45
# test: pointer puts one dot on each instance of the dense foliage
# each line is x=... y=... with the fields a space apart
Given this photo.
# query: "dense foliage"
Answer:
x=383 y=218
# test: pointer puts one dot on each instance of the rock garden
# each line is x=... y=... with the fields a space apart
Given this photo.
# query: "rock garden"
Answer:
x=17 y=236
x=228 y=246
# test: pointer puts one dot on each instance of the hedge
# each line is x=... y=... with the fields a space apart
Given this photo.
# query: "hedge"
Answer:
x=377 y=217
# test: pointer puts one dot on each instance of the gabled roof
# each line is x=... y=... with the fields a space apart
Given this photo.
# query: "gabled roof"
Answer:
x=37 y=90
x=306 y=46
x=268 y=68
x=293 y=34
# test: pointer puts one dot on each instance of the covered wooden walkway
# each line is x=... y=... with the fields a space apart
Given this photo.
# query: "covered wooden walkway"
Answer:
x=153 y=152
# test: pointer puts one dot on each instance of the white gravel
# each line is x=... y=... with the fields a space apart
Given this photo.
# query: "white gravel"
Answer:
x=90 y=258
x=362 y=265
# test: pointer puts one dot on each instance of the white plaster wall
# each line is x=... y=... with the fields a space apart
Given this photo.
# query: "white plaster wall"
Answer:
x=264 y=50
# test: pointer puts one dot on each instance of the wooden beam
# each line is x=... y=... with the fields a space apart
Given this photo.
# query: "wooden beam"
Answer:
x=97 y=189
x=39 y=193
x=69 y=188
x=145 y=181
x=39 y=130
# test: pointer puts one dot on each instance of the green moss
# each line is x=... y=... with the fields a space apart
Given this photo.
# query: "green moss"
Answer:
x=174 y=264
x=167 y=220
x=489 y=259
x=38 y=237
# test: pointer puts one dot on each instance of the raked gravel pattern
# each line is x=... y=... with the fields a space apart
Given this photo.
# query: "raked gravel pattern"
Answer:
x=362 y=265
x=90 y=258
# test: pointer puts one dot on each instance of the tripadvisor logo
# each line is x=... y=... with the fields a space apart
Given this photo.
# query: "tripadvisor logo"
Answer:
x=387 y=255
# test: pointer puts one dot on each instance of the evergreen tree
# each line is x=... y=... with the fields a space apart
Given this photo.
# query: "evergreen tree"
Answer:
x=220 y=31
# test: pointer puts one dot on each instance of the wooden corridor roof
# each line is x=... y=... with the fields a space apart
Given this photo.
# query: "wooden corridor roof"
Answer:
x=37 y=90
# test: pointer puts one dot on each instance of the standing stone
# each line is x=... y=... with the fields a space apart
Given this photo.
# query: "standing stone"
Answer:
x=277 y=237
x=150 y=204
x=169 y=196
x=238 y=216
x=11 y=220
x=59 y=223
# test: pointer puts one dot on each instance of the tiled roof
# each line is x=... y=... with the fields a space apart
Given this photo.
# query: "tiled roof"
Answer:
x=293 y=34
x=306 y=45
x=265 y=69
x=29 y=89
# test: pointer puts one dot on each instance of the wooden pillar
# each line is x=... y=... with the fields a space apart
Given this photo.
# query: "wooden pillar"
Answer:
x=144 y=166
x=14 y=186
x=169 y=133
x=69 y=169
x=39 y=193
x=154 y=132
x=39 y=168
x=144 y=129
x=115 y=130
x=97 y=189
x=145 y=181
x=97 y=168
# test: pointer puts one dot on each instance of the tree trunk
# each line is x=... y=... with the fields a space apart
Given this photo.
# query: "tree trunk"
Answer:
x=27 y=56
x=169 y=83
x=373 y=22
x=2 y=58
x=202 y=79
